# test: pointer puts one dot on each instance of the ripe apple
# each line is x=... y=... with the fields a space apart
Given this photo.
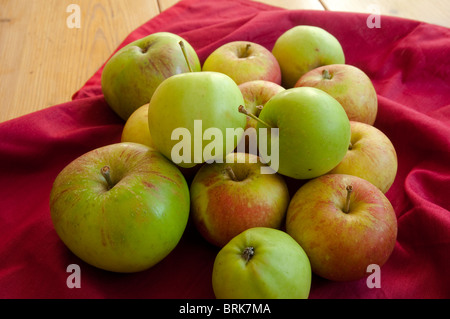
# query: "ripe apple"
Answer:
x=228 y=198
x=256 y=94
x=262 y=263
x=303 y=48
x=121 y=207
x=347 y=84
x=371 y=156
x=133 y=73
x=244 y=61
x=189 y=115
x=136 y=127
x=313 y=132
x=344 y=223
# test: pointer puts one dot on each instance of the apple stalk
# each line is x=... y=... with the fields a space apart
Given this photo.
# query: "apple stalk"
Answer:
x=230 y=173
x=183 y=49
x=248 y=253
x=326 y=75
x=349 y=189
x=243 y=110
x=106 y=172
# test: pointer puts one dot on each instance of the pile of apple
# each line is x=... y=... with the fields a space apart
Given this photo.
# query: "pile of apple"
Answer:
x=124 y=207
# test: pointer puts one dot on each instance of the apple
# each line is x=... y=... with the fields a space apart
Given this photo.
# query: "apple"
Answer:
x=132 y=74
x=256 y=94
x=303 y=48
x=136 y=127
x=193 y=117
x=228 y=198
x=347 y=84
x=244 y=61
x=122 y=207
x=313 y=132
x=344 y=223
x=262 y=263
x=371 y=156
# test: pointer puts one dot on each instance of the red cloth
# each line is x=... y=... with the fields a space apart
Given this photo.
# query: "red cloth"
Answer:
x=408 y=62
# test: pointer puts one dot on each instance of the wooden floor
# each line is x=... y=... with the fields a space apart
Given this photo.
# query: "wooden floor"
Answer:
x=43 y=64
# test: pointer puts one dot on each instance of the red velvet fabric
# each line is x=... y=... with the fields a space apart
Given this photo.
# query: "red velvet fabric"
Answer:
x=408 y=62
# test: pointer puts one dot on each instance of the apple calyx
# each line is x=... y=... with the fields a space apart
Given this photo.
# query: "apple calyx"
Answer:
x=183 y=49
x=349 y=189
x=350 y=146
x=248 y=253
x=106 y=172
x=243 y=110
x=326 y=75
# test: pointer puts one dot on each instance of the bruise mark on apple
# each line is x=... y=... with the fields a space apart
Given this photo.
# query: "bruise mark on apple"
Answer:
x=149 y=185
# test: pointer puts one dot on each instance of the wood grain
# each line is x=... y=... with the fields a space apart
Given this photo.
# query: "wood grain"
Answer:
x=43 y=61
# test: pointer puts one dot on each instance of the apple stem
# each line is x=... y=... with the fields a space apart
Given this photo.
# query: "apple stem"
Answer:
x=248 y=253
x=326 y=74
x=349 y=189
x=183 y=49
x=231 y=173
x=350 y=146
x=243 y=110
x=105 y=170
x=247 y=47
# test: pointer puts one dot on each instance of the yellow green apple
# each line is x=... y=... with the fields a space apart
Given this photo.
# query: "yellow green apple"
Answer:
x=133 y=73
x=262 y=263
x=122 y=207
x=303 y=48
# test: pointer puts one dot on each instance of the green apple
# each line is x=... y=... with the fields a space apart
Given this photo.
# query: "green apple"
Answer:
x=228 y=198
x=262 y=263
x=193 y=117
x=313 y=132
x=136 y=127
x=244 y=61
x=133 y=73
x=122 y=207
x=344 y=223
x=371 y=155
x=256 y=94
x=303 y=48
x=349 y=85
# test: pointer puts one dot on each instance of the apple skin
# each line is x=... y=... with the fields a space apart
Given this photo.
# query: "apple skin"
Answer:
x=372 y=156
x=278 y=269
x=350 y=86
x=129 y=227
x=341 y=245
x=314 y=131
x=136 y=127
x=303 y=48
x=133 y=73
x=211 y=97
x=222 y=207
x=256 y=94
x=244 y=61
